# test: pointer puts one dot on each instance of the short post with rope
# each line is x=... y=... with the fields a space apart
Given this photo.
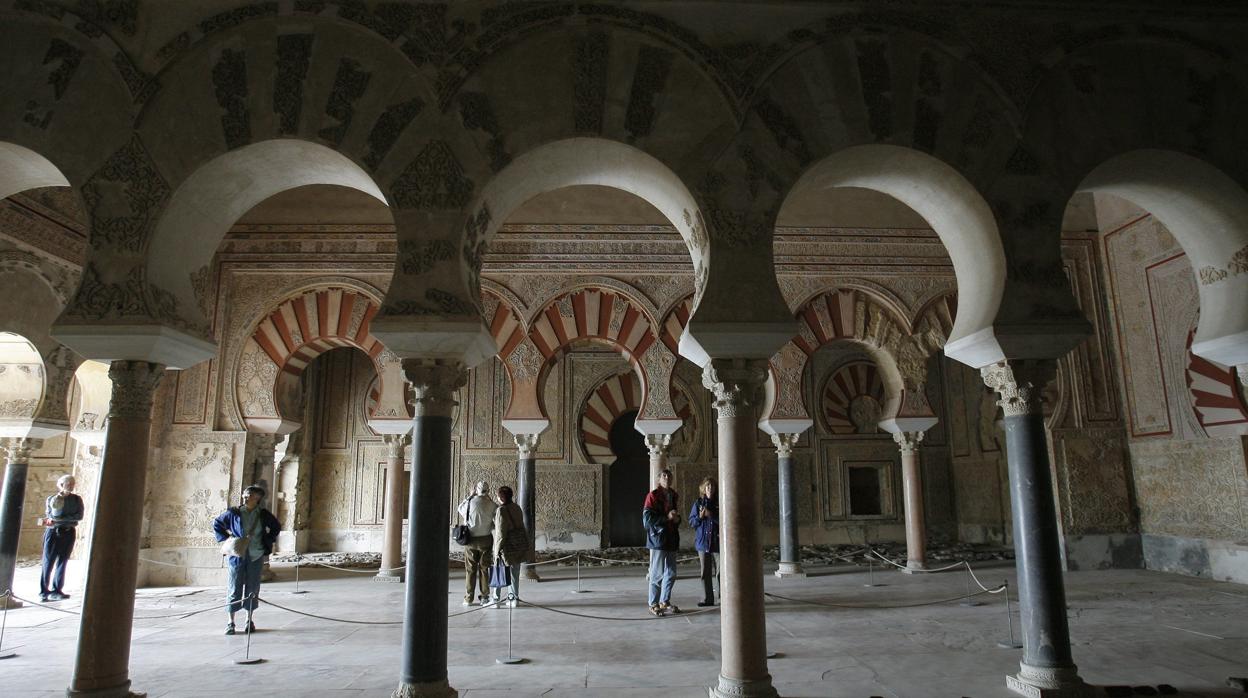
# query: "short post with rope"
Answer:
x=1010 y=644
x=4 y=621
x=247 y=658
x=298 y=559
x=578 y=589
x=871 y=572
x=969 y=601
x=512 y=600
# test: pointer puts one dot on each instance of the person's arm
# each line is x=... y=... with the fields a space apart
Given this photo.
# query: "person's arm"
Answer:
x=652 y=516
x=221 y=526
x=462 y=509
x=500 y=531
x=74 y=510
x=272 y=527
x=695 y=521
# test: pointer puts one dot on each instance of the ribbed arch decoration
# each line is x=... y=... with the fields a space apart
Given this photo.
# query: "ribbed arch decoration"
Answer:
x=1215 y=395
x=674 y=324
x=618 y=395
x=855 y=386
x=591 y=314
x=505 y=325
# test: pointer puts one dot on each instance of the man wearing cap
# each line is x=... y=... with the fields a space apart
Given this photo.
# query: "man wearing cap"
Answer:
x=258 y=530
x=477 y=511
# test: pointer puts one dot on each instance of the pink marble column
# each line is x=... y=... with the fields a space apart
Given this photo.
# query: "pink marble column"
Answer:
x=392 y=544
x=912 y=489
x=102 y=667
x=737 y=386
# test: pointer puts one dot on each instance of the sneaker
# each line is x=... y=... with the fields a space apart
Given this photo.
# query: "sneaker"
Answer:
x=43 y=598
x=55 y=596
x=466 y=604
x=668 y=607
x=483 y=600
x=656 y=610
x=63 y=595
x=251 y=627
x=229 y=628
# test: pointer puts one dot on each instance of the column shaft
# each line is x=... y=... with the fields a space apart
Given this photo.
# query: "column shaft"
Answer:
x=912 y=491
x=790 y=548
x=423 y=663
x=392 y=543
x=12 y=502
x=657 y=445
x=102 y=664
x=743 y=631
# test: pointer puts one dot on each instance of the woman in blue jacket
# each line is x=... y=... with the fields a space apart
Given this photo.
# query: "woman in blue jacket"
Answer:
x=704 y=520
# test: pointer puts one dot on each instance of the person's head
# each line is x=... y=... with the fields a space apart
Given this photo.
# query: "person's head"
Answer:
x=505 y=494
x=66 y=483
x=252 y=495
x=665 y=478
x=707 y=488
x=483 y=488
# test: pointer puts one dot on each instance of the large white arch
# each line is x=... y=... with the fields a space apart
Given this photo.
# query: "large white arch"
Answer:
x=951 y=205
x=22 y=169
x=1207 y=212
x=219 y=192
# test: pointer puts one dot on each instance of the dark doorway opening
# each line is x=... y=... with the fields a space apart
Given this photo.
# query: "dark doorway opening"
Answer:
x=628 y=482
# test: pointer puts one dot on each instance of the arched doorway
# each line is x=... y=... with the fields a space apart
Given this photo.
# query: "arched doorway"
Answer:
x=627 y=482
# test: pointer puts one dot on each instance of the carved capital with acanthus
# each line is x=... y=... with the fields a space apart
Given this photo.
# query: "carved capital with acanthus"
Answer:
x=134 y=385
x=657 y=444
x=526 y=445
x=434 y=382
x=784 y=444
x=18 y=450
x=908 y=441
x=737 y=385
x=394 y=444
x=1020 y=383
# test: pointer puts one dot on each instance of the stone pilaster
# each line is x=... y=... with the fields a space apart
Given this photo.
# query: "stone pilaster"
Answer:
x=102 y=664
x=1047 y=669
x=526 y=484
x=392 y=542
x=790 y=548
x=737 y=386
x=12 y=501
x=423 y=662
x=912 y=490
x=657 y=445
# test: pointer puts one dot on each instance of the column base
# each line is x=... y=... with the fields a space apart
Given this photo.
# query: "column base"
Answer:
x=790 y=569
x=743 y=688
x=388 y=577
x=122 y=691
x=429 y=689
x=915 y=567
x=1048 y=682
x=12 y=602
x=529 y=572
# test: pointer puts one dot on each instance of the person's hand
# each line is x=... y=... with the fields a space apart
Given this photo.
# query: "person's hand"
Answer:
x=703 y=513
x=672 y=515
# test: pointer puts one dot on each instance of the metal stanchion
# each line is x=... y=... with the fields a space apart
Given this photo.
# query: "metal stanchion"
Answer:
x=4 y=621
x=578 y=589
x=297 y=590
x=871 y=574
x=969 y=601
x=511 y=610
x=247 y=658
x=1010 y=644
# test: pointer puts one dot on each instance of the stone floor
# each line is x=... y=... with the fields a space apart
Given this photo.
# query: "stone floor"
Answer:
x=1129 y=627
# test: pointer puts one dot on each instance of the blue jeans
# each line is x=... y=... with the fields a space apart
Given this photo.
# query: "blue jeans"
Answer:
x=243 y=586
x=662 y=572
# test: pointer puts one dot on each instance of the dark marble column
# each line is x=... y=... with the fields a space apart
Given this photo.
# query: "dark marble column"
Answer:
x=912 y=490
x=1047 y=669
x=526 y=495
x=102 y=667
x=790 y=549
x=737 y=386
x=423 y=663
x=12 y=500
x=392 y=544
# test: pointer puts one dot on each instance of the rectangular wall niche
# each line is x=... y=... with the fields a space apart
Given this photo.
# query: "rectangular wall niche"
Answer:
x=870 y=489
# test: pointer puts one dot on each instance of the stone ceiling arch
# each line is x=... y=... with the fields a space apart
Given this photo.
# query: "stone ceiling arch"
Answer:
x=1207 y=212
x=945 y=199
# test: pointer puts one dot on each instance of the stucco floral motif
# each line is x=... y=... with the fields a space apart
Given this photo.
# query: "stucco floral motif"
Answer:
x=525 y=362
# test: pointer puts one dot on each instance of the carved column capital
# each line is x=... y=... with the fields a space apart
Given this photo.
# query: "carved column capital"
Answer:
x=784 y=444
x=737 y=385
x=526 y=444
x=1019 y=383
x=134 y=385
x=18 y=450
x=394 y=444
x=434 y=382
x=908 y=441
x=657 y=443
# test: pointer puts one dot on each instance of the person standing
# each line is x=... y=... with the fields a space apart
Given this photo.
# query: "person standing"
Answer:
x=251 y=530
x=511 y=541
x=477 y=512
x=704 y=520
x=661 y=517
x=62 y=512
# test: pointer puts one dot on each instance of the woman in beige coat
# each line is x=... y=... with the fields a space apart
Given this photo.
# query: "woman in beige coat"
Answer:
x=511 y=541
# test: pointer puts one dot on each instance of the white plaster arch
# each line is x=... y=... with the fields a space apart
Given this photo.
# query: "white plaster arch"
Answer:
x=22 y=168
x=94 y=392
x=1207 y=212
x=950 y=204
x=22 y=384
x=219 y=192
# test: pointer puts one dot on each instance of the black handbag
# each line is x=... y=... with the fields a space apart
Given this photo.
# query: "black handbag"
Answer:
x=461 y=534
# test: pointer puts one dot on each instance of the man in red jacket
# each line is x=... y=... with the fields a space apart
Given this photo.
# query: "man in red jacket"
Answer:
x=661 y=517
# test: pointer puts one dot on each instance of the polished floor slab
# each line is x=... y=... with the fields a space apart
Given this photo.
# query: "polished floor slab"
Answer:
x=910 y=637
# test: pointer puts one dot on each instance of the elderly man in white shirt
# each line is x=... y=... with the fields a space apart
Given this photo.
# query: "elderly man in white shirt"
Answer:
x=477 y=511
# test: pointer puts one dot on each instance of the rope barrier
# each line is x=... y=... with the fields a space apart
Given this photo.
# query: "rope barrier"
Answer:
x=585 y=615
x=959 y=563
x=548 y=562
x=882 y=607
x=181 y=614
x=365 y=622
x=632 y=562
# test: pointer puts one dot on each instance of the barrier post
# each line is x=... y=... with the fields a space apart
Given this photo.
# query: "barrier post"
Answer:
x=871 y=574
x=578 y=589
x=1009 y=644
x=4 y=621
x=969 y=601
x=247 y=658
x=510 y=659
x=298 y=559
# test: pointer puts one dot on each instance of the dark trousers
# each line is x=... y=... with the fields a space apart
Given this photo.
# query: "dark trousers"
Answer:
x=58 y=543
x=709 y=569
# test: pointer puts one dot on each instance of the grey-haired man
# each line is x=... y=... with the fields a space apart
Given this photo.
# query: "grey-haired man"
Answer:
x=477 y=511
x=63 y=511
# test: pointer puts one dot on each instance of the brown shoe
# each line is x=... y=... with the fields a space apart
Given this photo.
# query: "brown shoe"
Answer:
x=668 y=607
x=656 y=610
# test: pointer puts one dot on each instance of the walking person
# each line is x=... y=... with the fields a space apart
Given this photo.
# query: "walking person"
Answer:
x=248 y=533
x=661 y=517
x=477 y=512
x=511 y=542
x=704 y=520
x=62 y=512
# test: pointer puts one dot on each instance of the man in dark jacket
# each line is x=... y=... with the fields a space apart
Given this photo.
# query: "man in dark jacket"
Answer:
x=260 y=528
x=661 y=517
